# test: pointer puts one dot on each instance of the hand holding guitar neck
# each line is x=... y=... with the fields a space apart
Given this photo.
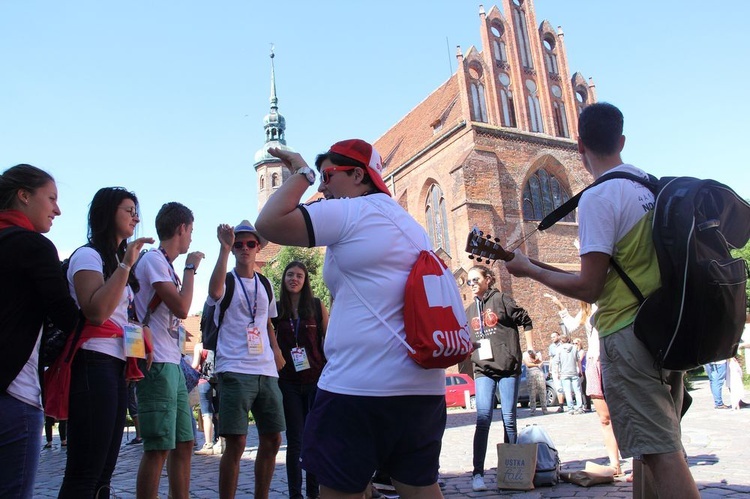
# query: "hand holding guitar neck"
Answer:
x=484 y=247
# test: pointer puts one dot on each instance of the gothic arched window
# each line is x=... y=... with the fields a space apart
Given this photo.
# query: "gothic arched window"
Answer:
x=550 y=56
x=436 y=216
x=498 y=43
x=274 y=180
x=542 y=194
x=507 y=107
x=535 y=109
x=522 y=36
x=476 y=89
x=558 y=112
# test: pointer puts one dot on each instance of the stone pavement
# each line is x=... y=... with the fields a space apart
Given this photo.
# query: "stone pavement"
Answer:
x=716 y=441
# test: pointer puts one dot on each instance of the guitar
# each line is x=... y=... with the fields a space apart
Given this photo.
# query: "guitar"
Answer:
x=481 y=246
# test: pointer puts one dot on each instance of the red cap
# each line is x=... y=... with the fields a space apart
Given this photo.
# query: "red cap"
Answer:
x=363 y=152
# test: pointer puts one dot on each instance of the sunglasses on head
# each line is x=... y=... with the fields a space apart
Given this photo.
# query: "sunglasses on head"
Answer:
x=326 y=174
x=250 y=244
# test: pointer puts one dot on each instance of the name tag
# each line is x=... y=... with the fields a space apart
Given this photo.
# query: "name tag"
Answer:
x=254 y=342
x=299 y=358
x=134 y=344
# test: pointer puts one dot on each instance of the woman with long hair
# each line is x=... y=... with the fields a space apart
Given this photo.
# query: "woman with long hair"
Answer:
x=31 y=288
x=494 y=319
x=98 y=279
x=300 y=330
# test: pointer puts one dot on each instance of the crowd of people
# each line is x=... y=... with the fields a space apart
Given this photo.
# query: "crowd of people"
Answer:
x=289 y=363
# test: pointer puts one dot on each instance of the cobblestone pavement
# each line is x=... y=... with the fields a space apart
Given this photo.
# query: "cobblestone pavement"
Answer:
x=716 y=441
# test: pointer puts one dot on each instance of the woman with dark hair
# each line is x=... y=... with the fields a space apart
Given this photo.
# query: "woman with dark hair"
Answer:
x=98 y=279
x=495 y=319
x=31 y=288
x=300 y=329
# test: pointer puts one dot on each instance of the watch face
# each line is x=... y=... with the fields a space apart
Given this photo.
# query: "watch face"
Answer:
x=308 y=173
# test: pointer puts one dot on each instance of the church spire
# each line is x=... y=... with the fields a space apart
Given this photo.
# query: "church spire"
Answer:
x=274 y=99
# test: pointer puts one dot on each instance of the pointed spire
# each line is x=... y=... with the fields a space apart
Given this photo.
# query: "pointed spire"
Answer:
x=274 y=99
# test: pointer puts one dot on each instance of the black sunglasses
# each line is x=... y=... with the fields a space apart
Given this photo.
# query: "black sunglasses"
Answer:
x=250 y=244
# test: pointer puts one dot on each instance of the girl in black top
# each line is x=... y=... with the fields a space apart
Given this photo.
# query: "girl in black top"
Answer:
x=300 y=329
x=32 y=287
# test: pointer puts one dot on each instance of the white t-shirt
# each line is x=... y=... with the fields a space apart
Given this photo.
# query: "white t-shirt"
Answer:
x=364 y=358
x=233 y=353
x=89 y=259
x=153 y=267
x=26 y=386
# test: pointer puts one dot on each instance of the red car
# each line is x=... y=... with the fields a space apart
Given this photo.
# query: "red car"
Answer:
x=459 y=391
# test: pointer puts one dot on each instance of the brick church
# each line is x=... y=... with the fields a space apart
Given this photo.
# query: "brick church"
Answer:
x=493 y=147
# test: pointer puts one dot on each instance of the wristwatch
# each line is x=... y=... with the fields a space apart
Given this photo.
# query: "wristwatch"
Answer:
x=309 y=174
x=191 y=266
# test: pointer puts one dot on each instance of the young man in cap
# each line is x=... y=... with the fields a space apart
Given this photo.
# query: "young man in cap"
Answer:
x=615 y=219
x=162 y=300
x=247 y=360
x=362 y=421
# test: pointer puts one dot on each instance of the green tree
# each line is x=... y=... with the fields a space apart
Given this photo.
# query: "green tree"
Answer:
x=313 y=260
x=744 y=253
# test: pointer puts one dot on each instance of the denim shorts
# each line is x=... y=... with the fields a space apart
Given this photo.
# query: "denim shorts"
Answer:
x=243 y=393
x=163 y=410
x=645 y=416
x=348 y=437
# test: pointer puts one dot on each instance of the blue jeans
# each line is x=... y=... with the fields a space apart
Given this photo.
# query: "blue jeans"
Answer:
x=20 y=436
x=96 y=419
x=298 y=400
x=571 y=385
x=507 y=392
x=717 y=373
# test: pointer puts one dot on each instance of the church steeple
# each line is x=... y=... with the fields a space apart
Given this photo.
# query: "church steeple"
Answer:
x=271 y=172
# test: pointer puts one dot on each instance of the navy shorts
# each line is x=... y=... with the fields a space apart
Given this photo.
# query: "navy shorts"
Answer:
x=348 y=437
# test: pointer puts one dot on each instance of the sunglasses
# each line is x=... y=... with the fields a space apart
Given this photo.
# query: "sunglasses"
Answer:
x=326 y=174
x=249 y=244
x=474 y=281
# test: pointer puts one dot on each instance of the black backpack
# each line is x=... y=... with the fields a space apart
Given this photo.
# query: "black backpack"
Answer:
x=698 y=314
x=209 y=328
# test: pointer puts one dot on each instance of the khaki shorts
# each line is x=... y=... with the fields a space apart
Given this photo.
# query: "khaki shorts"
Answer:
x=243 y=393
x=645 y=416
x=163 y=411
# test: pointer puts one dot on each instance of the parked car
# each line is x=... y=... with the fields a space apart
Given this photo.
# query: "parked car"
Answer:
x=523 y=387
x=459 y=391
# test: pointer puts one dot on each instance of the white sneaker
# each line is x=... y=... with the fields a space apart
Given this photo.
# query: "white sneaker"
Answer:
x=206 y=450
x=477 y=483
x=219 y=447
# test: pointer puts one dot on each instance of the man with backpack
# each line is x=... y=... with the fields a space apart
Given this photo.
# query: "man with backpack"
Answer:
x=247 y=358
x=615 y=221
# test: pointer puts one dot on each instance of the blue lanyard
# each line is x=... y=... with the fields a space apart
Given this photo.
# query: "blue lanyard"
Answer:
x=254 y=308
x=295 y=325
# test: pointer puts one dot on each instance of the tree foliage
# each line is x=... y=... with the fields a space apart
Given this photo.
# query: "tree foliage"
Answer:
x=744 y=253
x=313 y=260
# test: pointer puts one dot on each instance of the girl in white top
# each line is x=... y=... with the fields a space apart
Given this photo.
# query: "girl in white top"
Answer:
x=98 y=278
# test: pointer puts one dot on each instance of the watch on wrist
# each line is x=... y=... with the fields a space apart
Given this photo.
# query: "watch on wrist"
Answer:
x=308 y=173
x=191 y=266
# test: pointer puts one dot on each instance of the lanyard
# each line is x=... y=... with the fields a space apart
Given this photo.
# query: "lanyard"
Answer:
x=175 y=279
x=254 y=307
x=294 y=324
x=478 y=301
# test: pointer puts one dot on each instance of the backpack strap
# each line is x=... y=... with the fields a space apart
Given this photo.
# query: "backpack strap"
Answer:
x=266 y=284
x=228 y=293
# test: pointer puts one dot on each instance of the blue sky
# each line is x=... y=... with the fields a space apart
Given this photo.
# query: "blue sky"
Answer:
x=167 y=98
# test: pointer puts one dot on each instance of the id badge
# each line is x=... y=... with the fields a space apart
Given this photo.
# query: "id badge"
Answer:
x=485 y=349
x=299 y=357
x=134 y=344
x=254 y=343
x=182 y=336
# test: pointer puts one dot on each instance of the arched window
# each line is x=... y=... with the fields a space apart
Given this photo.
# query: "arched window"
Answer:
x=262 y=182
x=550 y=57
x=522 y=36
x=507 y=107
x=542 y=194
x=535 y=109
x=478 y=105
x=498 y=43
x=274 y=180
x=582 y=97
x=436 y=216
x=558 y=111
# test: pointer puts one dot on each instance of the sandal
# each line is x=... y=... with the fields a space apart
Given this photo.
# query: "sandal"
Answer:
x=48 y=445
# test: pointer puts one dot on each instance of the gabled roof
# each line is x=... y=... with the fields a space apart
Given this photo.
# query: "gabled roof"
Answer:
x=416 y=130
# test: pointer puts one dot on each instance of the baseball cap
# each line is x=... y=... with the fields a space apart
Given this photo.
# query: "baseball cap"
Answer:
x=246 y=226
x=363 y=152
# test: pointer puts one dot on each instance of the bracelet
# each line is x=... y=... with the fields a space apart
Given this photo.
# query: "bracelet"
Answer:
x=124 y=266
